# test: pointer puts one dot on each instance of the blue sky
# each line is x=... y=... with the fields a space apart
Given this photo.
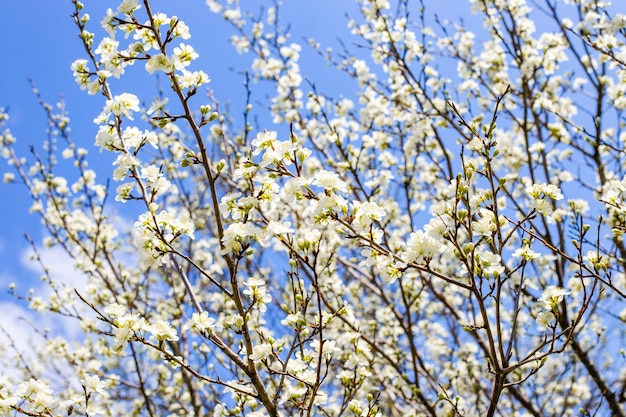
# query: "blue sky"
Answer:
x=28 y=51
x=40 y=42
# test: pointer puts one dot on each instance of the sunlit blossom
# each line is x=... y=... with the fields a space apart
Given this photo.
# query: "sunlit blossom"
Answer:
x=552 y=296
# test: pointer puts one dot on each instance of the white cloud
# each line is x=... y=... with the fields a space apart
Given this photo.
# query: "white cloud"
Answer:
x=17 y=338
x=61 y=271
x=60 y=268
x=16 y=322
x=21 y=333
x=14 y=314
x=22 y=336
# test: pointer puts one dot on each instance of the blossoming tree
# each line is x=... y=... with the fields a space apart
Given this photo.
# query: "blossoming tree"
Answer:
x=445 y=240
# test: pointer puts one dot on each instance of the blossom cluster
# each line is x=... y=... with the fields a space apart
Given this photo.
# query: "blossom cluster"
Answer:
x=550 y=299
x=394 y=232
